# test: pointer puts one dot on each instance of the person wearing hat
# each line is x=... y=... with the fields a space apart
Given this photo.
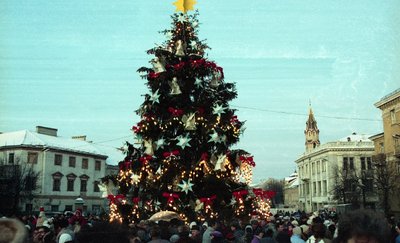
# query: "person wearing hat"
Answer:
x=216 y=237
x=258 y=235
x=195 y=233
x=212 y=226
x=41 y=218
x=296 y=237
x=12 y=230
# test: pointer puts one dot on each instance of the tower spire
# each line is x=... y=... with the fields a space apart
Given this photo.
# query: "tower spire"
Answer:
x=311 y=132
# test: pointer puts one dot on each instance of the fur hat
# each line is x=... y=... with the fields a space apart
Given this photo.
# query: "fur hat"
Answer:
x=304 y=227
x=295 y=223
x=12 y=230
x=297 y=230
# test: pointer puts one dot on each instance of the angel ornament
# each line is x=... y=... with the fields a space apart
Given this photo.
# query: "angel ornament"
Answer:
x=180 y=48
x=158 y=66
x=215 y=80
x=148 y=144
x=106 y=188
x=189 y=121
x=219 y=164
x=175 y=89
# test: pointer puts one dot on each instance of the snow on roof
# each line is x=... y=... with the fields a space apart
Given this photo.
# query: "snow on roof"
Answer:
x=29 y=138
x=294 y=183
x=356 y=138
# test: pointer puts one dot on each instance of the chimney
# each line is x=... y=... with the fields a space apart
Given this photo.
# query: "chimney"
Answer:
x=81 y=137
x=47 y=131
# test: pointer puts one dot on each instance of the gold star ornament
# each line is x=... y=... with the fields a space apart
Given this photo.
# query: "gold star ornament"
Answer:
x=184 y=5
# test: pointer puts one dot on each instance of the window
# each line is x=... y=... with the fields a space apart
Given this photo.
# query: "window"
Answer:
x=28 y=207
x=70 y=182
x=96 y=186
x=363 y=166
x=11 y=158
x=83 y=185
x=72 y=161
x=54 y=208
x=30 y=183
x=366 y=163
x=95 y=209
x=84 y=179
x=68 y=207
x=348 y=163
x=57 y=181
x=345 y=163
x=58 y=159
x=381 y=148
x=351 y=163
x=85 y=163
x=368 y=184
x=32 y=158
x=56 y=184
x=97 y=165
x=393 y=116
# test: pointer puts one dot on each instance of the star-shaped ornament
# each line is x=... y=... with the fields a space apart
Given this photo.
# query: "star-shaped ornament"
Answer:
x=183 y=141
x=157 y=204
x=219 y=109
x=168 y=35
x=184 y=5
x=182 y=18
x=193 y=44
x=155 y=96
x=186 y=186
x=160 y=143
x=135 y=178
x=199 y=83
x=214 y=137
x=233 y=201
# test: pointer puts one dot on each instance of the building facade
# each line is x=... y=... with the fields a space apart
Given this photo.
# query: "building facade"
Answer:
x=69 y=169
x=291 y=191
x=321 y=167
x=388 y=142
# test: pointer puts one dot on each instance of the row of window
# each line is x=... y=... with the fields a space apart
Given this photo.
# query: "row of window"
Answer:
x=33 y=159
x=71 y=183
x=56 y=208
x=72 y=162
x=348 y=163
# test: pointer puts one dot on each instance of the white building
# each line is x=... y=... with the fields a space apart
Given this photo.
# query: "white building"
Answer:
x=319 y=165
x=70 y=168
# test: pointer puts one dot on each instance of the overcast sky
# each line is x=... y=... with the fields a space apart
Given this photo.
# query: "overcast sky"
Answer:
x=72 y=65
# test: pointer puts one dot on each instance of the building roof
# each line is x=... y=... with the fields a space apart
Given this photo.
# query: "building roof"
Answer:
x=356 y=137
x=353 y=142
x=34 y=139
x=387 y=98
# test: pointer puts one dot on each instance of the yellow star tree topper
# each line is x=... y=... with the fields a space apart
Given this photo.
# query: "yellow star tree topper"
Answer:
x=184 y=5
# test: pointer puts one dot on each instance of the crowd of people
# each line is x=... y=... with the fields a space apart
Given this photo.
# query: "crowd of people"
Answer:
x=359 y=226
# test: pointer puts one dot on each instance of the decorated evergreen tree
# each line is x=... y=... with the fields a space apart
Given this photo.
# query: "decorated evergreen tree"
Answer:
x=184 y=162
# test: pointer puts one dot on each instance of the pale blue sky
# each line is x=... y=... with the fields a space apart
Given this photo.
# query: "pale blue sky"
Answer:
x=72 y=65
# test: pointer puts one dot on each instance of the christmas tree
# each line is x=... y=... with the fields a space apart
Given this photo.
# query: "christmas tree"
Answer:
x=184 y=162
